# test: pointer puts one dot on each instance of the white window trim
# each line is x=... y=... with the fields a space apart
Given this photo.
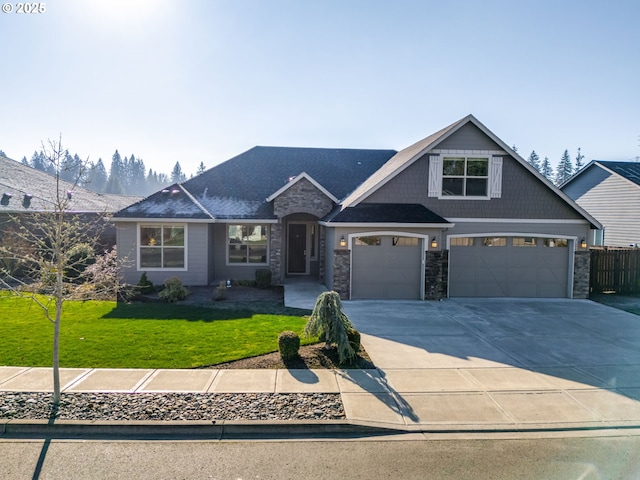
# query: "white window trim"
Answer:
x=494 y=175
x=246 y=264
x=162 y=269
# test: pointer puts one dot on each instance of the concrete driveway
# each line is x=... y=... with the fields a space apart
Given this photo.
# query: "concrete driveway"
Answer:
x=499 y=362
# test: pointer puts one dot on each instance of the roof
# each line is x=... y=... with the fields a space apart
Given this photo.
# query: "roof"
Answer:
x=385 y=213
x=240 y=187
x=26 y=189
x=627 y=170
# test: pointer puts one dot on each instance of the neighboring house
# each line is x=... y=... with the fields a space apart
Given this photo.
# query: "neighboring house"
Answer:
x=459 y=213
x=610 y=191
x=26 y=190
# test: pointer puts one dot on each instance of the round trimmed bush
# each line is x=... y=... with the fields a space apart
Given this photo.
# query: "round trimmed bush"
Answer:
x=288 y=345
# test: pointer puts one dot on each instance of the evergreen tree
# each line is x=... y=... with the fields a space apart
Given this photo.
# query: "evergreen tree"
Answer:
x=579 y=162
x=2 y=154
x=546 y=169
x=136 y=174
x=514 y=148
x=201 y=168
x=565 y=168
x=97 y=177
x=176 y=174
x=116 y=173
x=534 y=160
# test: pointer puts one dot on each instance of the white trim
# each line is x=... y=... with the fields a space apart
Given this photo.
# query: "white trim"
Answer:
x=140 y=268
x=448 y=151
x=189 y=220
x=541 y=221
x=466 y=154
x=295 y=180
x=387 y=225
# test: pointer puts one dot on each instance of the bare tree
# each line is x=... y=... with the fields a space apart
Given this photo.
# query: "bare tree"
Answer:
x=48 y=252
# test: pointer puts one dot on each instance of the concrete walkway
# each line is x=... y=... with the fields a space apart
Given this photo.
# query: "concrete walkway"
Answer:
x=463 y=365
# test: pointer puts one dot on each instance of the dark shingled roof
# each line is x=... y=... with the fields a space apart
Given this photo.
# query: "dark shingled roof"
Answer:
x=628 y=170
x=385 y=213
x=239 y=187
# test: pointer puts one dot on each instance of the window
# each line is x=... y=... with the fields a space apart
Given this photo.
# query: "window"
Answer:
x=555 y=242
x=370 y=241
x=524 y=242
x=247 y=244
x=465 y=176
x=162 y=246
x=494 y=241
x=405 y=241
x=462 y=242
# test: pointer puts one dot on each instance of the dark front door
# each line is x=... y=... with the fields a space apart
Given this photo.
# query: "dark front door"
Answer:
x=297 y=248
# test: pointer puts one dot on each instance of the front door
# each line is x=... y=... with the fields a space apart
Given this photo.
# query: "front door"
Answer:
x=297 y=248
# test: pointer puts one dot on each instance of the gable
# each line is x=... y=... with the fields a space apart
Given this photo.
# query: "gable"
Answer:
x=468 y=137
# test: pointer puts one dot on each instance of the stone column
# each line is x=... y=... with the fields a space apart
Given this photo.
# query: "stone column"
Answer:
x=341 y=273
x=581 y=273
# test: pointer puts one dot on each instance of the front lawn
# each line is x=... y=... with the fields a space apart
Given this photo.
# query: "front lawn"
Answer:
x=150 y=335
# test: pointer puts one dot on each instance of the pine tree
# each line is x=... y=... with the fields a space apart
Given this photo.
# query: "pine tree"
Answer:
x=546 y=169
x=579 y=162
x=534 y=160
x=514 y=148
x=176 y=174
x=201 y=168
x=116 y=173
x=565 y=168
x=97 y=178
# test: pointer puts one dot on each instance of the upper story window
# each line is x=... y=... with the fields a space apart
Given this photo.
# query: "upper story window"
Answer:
x=162 y=246
x=247 y=244
x=465 y=176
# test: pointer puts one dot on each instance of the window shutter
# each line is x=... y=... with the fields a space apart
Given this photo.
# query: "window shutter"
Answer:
x=435 y=176
x=496 y=177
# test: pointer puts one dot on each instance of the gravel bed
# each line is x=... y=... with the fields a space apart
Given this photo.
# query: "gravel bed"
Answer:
x=173 y=406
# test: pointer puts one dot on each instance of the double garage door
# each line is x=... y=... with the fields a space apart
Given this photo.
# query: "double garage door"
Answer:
x=509 y=267
x=386 y=267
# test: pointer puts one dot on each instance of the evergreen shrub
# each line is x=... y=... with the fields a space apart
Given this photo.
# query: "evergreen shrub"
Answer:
x=173 y=290
x=288 y=345
x=263 y=278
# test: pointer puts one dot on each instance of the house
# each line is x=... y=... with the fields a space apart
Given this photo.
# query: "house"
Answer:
x=610 y=191
x=26 y=190
x=458 y=213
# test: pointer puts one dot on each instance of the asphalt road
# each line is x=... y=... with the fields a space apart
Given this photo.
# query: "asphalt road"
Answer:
x=612 y=457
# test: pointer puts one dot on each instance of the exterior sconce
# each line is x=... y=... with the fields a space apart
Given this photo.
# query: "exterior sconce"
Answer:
x=583 y=243
x=343 y=241
x=434 y=243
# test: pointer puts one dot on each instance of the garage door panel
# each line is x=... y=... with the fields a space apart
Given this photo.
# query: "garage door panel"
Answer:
x=388 y=270
x=508 y=270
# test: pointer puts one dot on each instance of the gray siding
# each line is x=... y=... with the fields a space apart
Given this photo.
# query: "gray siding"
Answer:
x=223 y=271
x=613 y=201
x=196 y=273
x=469 y=137
x=523 y=195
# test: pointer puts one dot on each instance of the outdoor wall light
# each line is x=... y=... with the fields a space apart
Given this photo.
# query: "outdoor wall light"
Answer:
x=583 y=243
x=434 y=243
x=343 y=241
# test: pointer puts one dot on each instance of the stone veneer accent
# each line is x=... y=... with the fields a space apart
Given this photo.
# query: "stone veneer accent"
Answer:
x=341 y=273
x=275 y=254
x=322 y=240
x=581 y=273
x=435 y=275
x=302 y=197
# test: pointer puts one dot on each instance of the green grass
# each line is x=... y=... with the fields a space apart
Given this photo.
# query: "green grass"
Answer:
x=102 y=334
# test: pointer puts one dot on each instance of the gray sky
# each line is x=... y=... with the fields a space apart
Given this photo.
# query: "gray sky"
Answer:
x=204 y=80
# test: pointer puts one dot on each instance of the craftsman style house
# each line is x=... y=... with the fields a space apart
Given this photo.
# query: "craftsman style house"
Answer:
x=458 y=213
x=610 y=191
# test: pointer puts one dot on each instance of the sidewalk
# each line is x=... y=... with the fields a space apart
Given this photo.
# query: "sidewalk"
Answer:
x=438 y=371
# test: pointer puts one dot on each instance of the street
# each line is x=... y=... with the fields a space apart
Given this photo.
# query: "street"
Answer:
x=407 y=456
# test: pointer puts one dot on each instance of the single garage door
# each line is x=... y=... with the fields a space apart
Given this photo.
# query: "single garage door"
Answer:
x=386 y=267
x=509 y=267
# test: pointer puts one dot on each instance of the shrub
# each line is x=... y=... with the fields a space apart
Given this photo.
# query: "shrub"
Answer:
x=220 y=291
x=354 y=339
x=328 y=321
x=145 y=286
x=288 y=345
x=263 y=278
x=173 y=290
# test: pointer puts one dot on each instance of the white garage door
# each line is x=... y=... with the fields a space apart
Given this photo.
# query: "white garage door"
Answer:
x=386 y=267
x=509 y=267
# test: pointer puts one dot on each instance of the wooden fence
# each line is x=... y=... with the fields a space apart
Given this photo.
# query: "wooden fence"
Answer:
x=615 y=270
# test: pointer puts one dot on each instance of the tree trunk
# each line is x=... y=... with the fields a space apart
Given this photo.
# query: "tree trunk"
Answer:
x=56 y=342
